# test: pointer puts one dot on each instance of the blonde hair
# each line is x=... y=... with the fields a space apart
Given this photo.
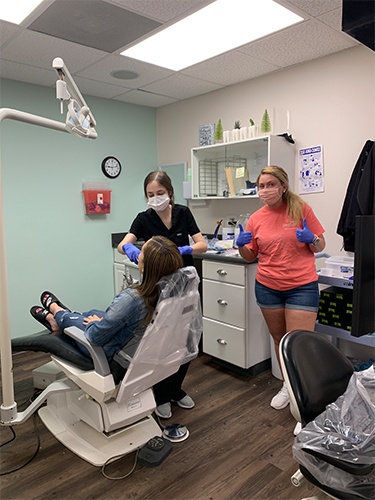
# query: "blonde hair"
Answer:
x=293 y=202
x=160 y=258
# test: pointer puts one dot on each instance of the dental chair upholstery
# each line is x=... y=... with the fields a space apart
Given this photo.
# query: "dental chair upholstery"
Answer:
x=317 y=375
x=94 y=414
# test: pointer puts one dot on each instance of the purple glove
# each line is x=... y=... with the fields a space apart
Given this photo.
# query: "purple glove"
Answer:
x=186 y=250
x=304 y=235
x=131 y=251
x=244 y=238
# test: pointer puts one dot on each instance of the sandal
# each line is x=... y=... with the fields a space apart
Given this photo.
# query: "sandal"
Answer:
x=48 y=298
x=40 y=314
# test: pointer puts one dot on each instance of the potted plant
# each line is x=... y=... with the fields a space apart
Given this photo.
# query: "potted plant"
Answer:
x=236 y=130
x=265 y=126
x=218 y=135
x=252 y=128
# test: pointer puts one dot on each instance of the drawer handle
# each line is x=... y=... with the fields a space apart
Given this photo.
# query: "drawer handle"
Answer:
x=222 y=342
x=221 y=272
x=222 y=302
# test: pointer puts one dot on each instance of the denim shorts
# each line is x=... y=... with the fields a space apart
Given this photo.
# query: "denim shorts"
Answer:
x=304 y=298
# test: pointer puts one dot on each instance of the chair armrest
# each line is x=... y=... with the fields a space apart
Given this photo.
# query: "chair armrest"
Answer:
x=350 y=467
x=97 y=353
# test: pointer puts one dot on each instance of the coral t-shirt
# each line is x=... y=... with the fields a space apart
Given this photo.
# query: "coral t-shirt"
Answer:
x=283 y=262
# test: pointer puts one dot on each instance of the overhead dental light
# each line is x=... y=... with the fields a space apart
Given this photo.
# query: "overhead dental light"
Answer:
x=81 y=122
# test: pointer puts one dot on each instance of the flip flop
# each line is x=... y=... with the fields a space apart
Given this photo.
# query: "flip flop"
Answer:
x=40 y=314
x=48 y=298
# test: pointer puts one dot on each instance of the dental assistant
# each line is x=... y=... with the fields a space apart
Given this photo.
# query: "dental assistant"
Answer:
x=284 y=235
x=165 y=218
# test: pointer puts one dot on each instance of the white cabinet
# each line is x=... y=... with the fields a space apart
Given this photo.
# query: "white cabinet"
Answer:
x=123 y=267
x=233 y=326
x=228 y=169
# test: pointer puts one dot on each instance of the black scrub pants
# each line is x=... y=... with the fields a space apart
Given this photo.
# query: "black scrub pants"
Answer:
x=170 y=388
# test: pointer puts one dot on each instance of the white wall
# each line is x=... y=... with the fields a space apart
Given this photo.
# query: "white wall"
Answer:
x=331 y=102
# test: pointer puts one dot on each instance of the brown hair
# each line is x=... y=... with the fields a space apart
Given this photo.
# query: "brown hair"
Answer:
x=163 y=179
x=293 y=202
x=160 y=258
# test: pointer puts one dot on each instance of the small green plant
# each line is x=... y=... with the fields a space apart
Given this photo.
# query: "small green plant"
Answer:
x=265 y=126
x=218 y=134
x=237 y=124
x=251 y=122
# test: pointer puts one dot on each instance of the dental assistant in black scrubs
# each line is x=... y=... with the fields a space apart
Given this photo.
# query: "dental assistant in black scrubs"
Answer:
x=165 y=218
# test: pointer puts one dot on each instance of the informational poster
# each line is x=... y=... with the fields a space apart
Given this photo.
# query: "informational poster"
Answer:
x=311 y=175
x=206 y=134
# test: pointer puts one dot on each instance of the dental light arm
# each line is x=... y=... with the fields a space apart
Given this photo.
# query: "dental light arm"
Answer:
x=79 y=119
x=81 y=122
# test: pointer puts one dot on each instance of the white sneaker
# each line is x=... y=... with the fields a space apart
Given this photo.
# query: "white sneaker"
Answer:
x=281 y=400
x=297 y=428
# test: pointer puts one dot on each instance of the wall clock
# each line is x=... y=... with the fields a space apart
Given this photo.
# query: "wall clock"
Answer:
x=111 y=167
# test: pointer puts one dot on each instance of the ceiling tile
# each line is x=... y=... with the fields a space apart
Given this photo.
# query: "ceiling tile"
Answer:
x=102 y=70
x=303 y=42
x=162 y=11
x=29 y=74
x=97 y=89
x=93 y=23
x=144 y=98
x=316 y=7
x=36 y=49
x=181 y=86
x=232 y=67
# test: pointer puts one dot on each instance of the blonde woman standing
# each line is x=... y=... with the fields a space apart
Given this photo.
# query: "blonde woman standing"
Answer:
x=284 y=235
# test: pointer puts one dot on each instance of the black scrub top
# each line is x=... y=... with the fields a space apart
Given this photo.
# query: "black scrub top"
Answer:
x=148 y=224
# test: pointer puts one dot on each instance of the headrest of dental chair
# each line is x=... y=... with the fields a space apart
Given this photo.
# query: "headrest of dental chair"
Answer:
x=175 y=284
x=59 y=344
x=315 y=370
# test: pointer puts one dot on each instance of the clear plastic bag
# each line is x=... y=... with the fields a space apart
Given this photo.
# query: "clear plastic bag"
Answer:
x=345 y=431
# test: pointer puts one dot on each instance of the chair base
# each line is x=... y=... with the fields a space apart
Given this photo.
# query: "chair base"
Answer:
x=98 y=447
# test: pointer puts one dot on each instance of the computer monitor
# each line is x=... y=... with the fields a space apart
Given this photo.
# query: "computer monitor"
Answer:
x=363 y=321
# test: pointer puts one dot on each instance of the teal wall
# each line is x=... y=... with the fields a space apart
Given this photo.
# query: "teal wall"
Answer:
x=50 y=243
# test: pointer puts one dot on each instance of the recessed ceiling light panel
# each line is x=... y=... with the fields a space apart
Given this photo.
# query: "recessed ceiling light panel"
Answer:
x=217 y=28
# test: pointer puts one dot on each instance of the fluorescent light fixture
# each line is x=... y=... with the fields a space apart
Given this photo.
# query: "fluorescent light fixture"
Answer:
x=217 y=28
x=15 y=11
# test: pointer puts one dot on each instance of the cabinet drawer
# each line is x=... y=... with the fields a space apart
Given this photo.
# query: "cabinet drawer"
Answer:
x=224 y=342
x=223 y=272
x=224 y=302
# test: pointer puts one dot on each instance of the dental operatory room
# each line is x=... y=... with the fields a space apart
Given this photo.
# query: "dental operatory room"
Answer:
x=168 y=168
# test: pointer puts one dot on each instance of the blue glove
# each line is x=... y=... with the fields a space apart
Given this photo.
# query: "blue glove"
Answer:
x=304 y=235
x=186 y=250
x=244 y=238
x=131 y=251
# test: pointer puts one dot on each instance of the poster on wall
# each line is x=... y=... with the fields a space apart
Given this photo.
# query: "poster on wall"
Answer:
x=311 y=175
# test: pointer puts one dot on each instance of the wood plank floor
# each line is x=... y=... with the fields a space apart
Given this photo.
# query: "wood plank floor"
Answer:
x=238 y=448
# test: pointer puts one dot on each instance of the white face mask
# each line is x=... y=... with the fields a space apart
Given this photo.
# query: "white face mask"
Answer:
x=159 y=203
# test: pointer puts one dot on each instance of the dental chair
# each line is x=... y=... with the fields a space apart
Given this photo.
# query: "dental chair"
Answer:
x=336 y=406
x=101 y=410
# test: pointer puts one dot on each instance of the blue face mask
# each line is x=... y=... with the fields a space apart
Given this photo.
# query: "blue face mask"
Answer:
x=159 y=203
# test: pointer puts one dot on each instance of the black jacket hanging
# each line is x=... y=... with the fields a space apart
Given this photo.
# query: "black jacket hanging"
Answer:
x=360 y=195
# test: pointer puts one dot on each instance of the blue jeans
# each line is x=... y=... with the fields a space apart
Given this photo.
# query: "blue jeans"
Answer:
x=304 y=298
x=64 y=319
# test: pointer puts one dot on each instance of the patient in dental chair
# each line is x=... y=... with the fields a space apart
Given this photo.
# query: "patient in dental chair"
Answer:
x=129 y=311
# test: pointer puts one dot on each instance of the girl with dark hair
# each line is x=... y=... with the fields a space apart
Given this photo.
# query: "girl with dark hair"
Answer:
x=176 y=222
